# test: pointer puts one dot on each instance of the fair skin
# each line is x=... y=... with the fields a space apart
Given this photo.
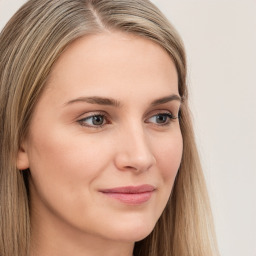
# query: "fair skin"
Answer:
x=105 y=120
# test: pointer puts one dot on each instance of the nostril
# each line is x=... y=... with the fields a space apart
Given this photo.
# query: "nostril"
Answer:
x=126 y=161
x=130 y=168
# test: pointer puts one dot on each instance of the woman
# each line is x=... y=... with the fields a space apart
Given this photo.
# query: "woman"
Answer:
x=97 y=149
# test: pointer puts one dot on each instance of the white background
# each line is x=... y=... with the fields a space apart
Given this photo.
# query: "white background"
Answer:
x=220 y=39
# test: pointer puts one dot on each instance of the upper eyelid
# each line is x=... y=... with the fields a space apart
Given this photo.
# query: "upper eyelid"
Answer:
x=88 y=114
x=146 y=115
x=162 y=111
x=108 y=119
x=82 y=123
x=170 y=115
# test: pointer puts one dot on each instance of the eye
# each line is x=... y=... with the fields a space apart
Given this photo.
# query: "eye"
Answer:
x=161 y=119
x=97 y=120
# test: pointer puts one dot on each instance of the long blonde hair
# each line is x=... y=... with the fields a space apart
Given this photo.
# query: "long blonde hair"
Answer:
x=30 y=44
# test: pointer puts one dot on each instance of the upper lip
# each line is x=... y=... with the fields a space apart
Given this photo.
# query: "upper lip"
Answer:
x=130 y=189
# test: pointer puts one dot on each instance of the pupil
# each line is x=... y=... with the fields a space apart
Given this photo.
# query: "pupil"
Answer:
x=161 y=119
x=97 y=120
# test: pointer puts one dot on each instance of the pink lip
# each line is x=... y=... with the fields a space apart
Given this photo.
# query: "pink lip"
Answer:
x=133 y=195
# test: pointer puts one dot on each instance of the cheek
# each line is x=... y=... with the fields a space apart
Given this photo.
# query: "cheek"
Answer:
x=66 y=158
x=64 y=165
x=169 y=157
x=168 y=154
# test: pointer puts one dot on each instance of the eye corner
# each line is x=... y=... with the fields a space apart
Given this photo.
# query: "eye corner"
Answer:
x=94 y=120
x=161 y=118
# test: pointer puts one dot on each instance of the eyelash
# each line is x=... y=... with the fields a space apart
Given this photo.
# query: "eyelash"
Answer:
x=82 y=121
x=169 y=115
x=170 y=119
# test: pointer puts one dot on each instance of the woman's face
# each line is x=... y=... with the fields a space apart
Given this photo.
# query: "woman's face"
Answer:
x=103 y=146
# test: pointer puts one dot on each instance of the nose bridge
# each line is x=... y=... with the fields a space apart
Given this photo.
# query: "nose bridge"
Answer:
x=135 y=149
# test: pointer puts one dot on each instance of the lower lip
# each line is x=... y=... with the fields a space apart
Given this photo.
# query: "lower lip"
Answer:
x=132 y=199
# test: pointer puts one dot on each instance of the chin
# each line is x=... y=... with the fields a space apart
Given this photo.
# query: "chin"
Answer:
x=133 y=231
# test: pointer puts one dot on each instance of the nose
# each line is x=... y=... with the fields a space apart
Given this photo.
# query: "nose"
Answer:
x=134 y=152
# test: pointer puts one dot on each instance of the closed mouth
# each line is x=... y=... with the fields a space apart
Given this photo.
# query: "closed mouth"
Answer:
x=132 y=195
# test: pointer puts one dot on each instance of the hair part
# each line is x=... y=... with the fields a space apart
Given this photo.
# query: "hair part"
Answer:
x=31 y=43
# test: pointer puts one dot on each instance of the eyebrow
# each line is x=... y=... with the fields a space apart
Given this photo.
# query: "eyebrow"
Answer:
x=112 y=102
x=96 y=100
x=166 y=99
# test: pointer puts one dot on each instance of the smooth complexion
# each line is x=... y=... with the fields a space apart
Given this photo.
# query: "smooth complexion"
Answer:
x=104 y=147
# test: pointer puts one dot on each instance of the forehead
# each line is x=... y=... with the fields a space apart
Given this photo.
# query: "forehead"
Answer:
x=113 y=61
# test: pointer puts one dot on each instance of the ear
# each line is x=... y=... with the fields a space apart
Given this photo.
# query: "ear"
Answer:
x=22 y=162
